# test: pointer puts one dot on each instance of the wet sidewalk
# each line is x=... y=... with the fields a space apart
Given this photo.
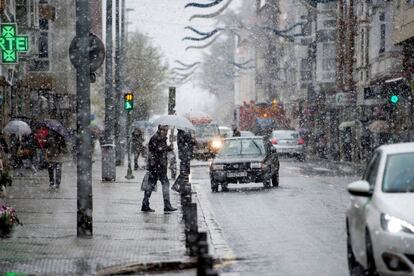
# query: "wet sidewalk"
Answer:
x=47 y=242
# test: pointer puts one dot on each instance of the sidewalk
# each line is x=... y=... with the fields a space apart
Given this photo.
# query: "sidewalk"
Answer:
x=47 y=242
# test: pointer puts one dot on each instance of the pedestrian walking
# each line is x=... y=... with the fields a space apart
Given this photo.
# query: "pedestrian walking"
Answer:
x=5 y=179
x=27 y=153
x=137 y=146
x=157 y=169
x=3 y=144
x=236 y=132
x=185 y=143
x=15 y=160
x=55 y=151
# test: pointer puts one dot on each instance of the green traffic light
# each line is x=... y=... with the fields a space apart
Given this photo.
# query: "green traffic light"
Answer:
x=128 y=105
x=394 y=99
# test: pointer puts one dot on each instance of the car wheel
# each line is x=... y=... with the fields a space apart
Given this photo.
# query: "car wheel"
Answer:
x=354 y=267
x=301 y=157
x=275 y=180
x=267 y=183
x=371 y=269
x=224 y=187
x=214 y=186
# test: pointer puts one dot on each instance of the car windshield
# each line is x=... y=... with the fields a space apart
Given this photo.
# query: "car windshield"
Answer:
x=206 y=130
x=399 y=174
x=286 y=135
x=236 y=147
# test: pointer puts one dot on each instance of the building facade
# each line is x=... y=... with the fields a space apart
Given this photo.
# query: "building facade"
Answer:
x=43 y=83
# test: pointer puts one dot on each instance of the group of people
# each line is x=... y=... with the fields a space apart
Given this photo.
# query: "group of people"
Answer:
x=157 y=166
x=43 y=148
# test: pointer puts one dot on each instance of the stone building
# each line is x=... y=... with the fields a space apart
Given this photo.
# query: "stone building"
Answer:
x=43 y=83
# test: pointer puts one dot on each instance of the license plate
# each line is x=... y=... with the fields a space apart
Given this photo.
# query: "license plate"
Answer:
x=237 y=174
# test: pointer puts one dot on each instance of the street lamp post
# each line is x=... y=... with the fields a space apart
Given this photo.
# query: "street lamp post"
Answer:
x=84 y=153
x=118 y=89
x=108 y=154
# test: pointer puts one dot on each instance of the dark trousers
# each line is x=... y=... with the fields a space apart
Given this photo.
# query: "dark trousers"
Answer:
x=55 y=173
x=137 y=152
x=152 y=181
x=184 y=174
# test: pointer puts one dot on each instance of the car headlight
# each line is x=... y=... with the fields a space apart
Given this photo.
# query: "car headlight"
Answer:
x=395 y=225
x=217 y=167
x=217 y=144
x=255 y=165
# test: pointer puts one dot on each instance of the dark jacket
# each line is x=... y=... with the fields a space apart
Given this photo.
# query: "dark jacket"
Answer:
x=236 y=133
x=185 y=143
x=157 y=158
x=137 y=140
x=55 y=148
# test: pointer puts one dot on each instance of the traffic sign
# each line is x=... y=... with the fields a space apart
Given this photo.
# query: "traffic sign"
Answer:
x=96 y=52
x=12 y=44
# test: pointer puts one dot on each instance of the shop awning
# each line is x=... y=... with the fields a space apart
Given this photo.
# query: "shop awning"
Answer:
x=379 y=126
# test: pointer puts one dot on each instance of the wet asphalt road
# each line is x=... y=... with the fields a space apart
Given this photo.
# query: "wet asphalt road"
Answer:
x=296 y=229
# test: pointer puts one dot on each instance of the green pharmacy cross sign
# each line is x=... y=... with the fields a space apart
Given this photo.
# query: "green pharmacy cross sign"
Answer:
x=11 y=44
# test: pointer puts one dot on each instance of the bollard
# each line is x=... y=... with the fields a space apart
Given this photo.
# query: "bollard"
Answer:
x=202 y=254
x=192 y=236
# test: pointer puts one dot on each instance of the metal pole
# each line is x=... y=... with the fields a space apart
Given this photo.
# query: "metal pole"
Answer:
x=118 y=149
x=84 y=154
x=129 y=171
x=108 y=151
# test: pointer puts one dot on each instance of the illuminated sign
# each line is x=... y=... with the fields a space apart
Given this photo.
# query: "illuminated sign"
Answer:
x=12 y=44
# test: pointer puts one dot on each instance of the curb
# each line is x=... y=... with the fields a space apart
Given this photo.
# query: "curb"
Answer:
x=222 y=253
x=133 y=268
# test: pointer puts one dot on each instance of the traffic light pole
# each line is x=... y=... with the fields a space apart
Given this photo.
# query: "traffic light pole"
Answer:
x=129 y=171
x=84 y=145
x=108 y=150
x=118 y=88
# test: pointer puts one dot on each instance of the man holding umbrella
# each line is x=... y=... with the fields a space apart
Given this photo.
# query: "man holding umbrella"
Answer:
x=157 y=168
x=55 y=149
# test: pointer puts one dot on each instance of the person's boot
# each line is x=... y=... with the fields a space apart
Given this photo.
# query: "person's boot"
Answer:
x=147 y=209
x=168 y=207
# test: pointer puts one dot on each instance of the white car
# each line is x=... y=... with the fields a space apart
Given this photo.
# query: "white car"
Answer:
x=380 y=219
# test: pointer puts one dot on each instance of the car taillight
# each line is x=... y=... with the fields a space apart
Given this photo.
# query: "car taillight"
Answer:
x=301 y=141
x=274 y=141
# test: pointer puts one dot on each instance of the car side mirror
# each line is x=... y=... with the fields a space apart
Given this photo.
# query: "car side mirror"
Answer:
x=360 y=188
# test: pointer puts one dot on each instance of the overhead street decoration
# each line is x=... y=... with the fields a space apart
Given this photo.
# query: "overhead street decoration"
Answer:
x=208 y=5
x=12 y=44
x=214 y=14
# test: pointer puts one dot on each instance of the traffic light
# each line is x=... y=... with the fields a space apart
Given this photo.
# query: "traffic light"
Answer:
x=129 y=101
x=394 y=98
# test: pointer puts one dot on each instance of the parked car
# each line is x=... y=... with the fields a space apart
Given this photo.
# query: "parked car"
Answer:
x=245 y=160
x=208 y=140
x=245 y=133
x=288 y=142
x=380 y=217
x=225 y=132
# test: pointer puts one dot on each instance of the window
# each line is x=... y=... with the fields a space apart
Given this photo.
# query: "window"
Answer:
x=329 y=59
x=372 y=170
x=382 y=39
x=43 y=24
x=43 y=45
x=399 y=174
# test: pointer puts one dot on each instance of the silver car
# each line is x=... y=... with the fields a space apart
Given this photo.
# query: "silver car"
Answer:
x=288 y=142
